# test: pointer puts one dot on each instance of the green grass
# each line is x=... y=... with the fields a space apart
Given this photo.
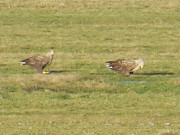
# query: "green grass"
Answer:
x=82 y=96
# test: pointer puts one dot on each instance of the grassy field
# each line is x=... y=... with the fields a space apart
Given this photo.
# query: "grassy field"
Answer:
x=81 y=95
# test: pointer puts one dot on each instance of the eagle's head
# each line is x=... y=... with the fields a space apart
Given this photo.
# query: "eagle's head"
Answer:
x=51 y=52
x=141 y=63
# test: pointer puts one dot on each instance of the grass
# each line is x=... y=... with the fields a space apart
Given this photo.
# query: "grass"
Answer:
x=82 y=96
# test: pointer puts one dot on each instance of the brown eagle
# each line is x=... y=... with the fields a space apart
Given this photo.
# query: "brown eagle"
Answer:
x=126 y=67
x=39 y=62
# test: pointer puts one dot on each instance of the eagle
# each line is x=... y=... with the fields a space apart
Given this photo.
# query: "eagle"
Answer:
x=125 y=67
x=39 y=62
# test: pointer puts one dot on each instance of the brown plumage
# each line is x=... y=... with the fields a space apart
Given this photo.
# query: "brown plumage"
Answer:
x=39 y=62
x=125 y=66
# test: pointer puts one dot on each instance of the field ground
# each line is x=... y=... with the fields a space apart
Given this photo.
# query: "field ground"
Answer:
x=80 y=95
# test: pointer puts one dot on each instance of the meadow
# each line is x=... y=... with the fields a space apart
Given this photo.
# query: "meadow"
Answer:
x=81 y=95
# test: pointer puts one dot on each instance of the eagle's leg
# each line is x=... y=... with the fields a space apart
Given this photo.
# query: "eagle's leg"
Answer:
x=39 y=70
x=44 y=72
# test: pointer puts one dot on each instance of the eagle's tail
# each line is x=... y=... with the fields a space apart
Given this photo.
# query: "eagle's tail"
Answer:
x=109 y=64
x=23 y=62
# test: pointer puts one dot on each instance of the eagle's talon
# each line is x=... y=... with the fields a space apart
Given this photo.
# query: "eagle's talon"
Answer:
x=44 y=72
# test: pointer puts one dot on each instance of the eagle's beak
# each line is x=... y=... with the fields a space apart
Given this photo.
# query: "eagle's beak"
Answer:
x=141 y=66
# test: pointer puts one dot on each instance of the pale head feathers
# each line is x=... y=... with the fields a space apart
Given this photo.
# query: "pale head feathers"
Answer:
x=51 y=52
x=140 y=63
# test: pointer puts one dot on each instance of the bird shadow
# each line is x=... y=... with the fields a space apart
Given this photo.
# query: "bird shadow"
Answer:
x=156 y=74
x=61 y=71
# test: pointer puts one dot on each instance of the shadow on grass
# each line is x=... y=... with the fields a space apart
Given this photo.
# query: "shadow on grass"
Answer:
x=154 y=74
x=61 y=71
x=3 y=64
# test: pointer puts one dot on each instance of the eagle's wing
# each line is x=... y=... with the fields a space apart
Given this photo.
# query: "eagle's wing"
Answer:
x=122 y=66
x=37 y=62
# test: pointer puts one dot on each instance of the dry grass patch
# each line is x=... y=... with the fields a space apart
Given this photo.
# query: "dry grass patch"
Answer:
x=55 y=79
x=96 y=85
x=38 y=81
x=175 y=80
